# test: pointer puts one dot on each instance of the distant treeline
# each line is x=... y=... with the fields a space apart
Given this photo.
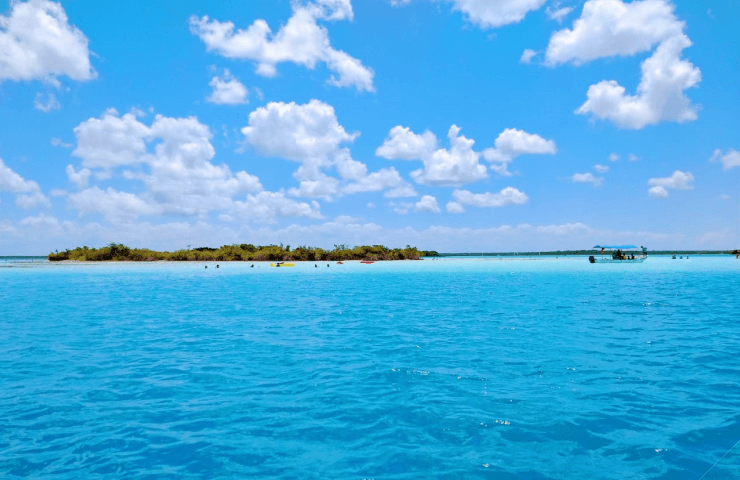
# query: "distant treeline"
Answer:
x=588 y=252
x=241 y=252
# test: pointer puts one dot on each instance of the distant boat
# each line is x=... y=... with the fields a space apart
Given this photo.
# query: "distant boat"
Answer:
x=340 y=263
x=282 y=264
x=618 y=254
x=367 y=261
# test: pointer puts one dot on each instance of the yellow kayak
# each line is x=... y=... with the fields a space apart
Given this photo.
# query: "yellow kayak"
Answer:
x=282 y=264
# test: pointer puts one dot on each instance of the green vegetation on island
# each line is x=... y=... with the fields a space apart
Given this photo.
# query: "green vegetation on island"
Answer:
x=243 y=252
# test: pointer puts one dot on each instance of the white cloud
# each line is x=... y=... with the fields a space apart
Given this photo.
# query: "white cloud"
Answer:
x=528 y=55
x=38 y=43
x=614 y=157
x=460 y=164
x=301 y=40
x=80 y=178
x=587 y=178
x=57 y=192
x=311 y=134
x=558 y=14
x=403 y=144
x=454 y=207
x=227 y=90
x=729 y=160
x=632 y=157
x=111 y=141
x=456 y=166
x=427 y=203
x=495 y=13
x=658 y=192
x=30 y=195
x=678 y=181
x=512 y=143
x=609 y=28
x=47 y=106
x=659 y=96
x=601 y=168
x=266 y=206
x=308 y=133
x=115 y=206
x=507 y=196
x=179 y=178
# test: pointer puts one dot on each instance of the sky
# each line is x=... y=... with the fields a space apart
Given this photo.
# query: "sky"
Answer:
x=452 y=125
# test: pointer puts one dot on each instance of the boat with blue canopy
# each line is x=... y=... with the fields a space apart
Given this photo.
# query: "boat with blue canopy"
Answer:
x=619 y=254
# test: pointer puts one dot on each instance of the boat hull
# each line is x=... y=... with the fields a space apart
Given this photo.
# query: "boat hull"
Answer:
x=611 y=260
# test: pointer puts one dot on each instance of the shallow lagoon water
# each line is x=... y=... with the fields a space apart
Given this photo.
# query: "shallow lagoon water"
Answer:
x=473 y=368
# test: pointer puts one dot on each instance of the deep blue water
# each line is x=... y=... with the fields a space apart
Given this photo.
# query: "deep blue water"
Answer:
x=542 y=369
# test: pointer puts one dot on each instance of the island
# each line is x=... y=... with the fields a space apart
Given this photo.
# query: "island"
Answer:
x=117 y=252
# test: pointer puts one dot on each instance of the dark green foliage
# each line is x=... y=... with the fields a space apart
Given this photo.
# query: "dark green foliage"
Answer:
x=243 y=252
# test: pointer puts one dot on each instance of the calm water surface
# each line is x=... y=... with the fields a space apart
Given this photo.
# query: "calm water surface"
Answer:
x=541 y=369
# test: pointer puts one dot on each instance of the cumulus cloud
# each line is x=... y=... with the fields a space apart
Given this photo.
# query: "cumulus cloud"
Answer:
x=609 y=28
x=172 y=157
x=658 y=192
x=495 y=13
x=454 y=207
x=507 y=196
x=729 y=160
x=678 y=181
x=455 y=166
x=601 y=168
x=459 y=164
x=79 y=178
x=303 y=133
x=660 y=94
x=29 y=193
x=587 y=178
x=301 y=40
x=311 y=135
x=266 y=206
x=403 y=144
x=227 y=90
x=38 y=43
x=46 y=106
x=427 y=203
x=512 y=143
x=614 y=157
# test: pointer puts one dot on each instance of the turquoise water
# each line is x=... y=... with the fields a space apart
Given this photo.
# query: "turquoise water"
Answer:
x=507 y=369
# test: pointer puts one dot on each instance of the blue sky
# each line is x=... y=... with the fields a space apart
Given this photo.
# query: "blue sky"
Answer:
x=161 y=124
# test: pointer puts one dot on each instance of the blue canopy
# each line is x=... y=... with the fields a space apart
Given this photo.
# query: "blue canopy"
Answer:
x=615 y=246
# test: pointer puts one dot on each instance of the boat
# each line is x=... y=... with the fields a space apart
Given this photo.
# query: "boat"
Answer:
x=618 y=254
x=282 y=264
x=367 y=261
